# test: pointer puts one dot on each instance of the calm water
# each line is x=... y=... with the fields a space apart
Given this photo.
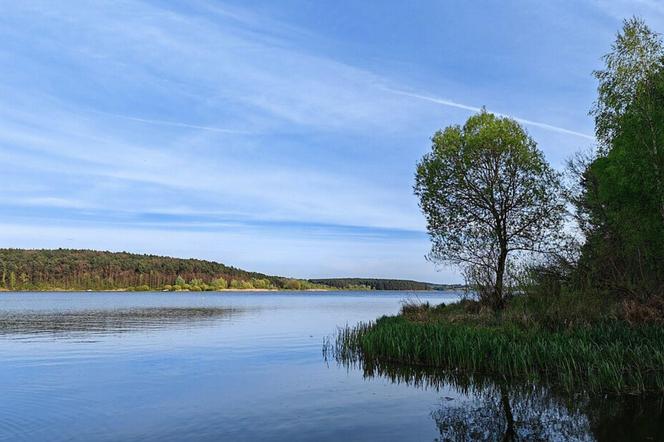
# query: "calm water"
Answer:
x=249 y=367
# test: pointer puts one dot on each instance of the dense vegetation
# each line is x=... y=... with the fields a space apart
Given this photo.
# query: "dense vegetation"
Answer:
x=376 y=284
x=580 y=306
x=601 y=356
x=65 y=269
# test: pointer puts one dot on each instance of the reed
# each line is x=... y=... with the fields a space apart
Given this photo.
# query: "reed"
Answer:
x=607 y=357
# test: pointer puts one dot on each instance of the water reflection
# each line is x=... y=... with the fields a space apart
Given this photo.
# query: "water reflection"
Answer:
x=74 y=323
x=491 y=408
x=501 y=414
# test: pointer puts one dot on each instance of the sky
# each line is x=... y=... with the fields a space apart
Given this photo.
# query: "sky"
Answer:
x=275 y=136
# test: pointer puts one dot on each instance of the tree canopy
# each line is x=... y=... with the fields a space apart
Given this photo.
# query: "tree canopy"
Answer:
x=96 y=270
x=621 y=199
x=487 y=194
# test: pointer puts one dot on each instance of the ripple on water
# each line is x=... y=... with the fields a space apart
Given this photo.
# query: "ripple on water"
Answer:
x=80 y=324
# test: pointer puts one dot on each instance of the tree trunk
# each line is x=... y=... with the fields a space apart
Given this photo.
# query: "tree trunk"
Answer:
x=499 y=295
x=510 y=431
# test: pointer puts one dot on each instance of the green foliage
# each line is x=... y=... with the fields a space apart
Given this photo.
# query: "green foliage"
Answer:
x=262 y=284
x=219 y=284
x=241 y=285
x=621 y=199
x=636 y=54
x=93 y=270
x=487 y=194
x=293 y=284
x=373 y=284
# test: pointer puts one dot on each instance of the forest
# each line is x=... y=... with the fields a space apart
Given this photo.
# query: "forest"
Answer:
x=383 y=284
x=66 y=269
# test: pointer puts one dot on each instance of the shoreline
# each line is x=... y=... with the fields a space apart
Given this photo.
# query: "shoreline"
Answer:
x=3 y=290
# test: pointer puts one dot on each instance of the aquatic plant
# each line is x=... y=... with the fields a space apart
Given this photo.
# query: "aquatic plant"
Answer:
x=610 y=357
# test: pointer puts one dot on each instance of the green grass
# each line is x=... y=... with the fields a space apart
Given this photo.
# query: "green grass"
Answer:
x=606 y=355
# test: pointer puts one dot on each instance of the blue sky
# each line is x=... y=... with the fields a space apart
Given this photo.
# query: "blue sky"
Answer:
x=277 y=136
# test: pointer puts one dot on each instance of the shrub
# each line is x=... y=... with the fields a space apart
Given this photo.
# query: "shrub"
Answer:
x=293 y=284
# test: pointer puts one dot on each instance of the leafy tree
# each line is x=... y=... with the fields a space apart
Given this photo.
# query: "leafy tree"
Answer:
x=628 y=85
x=219 y=284
x=259 y=283
x=293 y=284
x=620 y=202
x=636 y=54
x=487 y=194
x=179 y=281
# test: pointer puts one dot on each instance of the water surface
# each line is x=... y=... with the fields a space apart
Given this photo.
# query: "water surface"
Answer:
x=249 y=367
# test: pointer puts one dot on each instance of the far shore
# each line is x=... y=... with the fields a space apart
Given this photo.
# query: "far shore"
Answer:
x=61 y=290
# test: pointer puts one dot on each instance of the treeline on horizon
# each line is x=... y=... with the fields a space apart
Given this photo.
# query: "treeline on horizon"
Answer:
x=382 y=284
x=68 y=269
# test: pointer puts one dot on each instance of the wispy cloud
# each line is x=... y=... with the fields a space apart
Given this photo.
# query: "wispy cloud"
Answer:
x=219 y=117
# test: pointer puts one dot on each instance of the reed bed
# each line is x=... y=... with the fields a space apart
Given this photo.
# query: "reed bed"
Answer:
x=609 y=357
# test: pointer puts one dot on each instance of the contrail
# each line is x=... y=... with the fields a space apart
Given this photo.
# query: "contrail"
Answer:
x=174 y=124
x=477 y=109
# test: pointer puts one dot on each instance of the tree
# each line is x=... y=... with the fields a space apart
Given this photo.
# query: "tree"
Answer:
x=179 y=281
x=635 y=55
x=621 y=201
x=620 y=197
x=219 y=284
x=293 y=284
x=487 y=194
x=628 y=85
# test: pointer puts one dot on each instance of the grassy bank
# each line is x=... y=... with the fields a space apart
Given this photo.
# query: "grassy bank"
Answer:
x=603 y=355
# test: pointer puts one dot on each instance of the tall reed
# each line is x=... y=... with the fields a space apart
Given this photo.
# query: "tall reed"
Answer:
x=610 y=357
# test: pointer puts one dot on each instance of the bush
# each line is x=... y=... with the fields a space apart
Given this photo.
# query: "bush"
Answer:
x=219 y=284
x=293 y=284
x=261 y=283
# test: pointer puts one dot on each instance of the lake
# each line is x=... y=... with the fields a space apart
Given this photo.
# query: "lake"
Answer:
x=251 y=367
